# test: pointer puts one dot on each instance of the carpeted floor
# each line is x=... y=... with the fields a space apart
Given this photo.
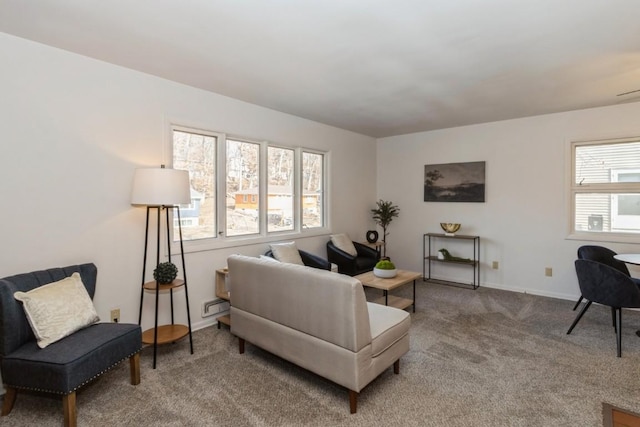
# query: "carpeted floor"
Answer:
x=477 y=358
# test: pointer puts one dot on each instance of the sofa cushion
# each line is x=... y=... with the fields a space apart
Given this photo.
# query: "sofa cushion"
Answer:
x=58 y=309
x=64 y=366
x=286 y=252
x=344 y=243
x=388 y=325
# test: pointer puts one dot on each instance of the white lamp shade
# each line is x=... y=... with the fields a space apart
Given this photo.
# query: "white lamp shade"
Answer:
x=160 y=186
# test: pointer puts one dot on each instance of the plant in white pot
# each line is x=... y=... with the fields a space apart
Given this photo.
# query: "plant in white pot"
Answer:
x=385 y=269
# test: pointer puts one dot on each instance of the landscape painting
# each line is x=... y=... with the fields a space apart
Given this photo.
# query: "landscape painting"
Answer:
x=454 y=182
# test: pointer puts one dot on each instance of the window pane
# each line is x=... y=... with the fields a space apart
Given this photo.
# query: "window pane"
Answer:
x=196 y=153
x=599 y=163
x=280 y=197
x=312 y=190
x=607 y=212
x=243 y=188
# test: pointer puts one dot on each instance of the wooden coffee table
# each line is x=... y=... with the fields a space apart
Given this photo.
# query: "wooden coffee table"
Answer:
x=402 y=278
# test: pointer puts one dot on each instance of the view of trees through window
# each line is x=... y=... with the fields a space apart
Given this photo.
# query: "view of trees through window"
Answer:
x=293 y=194
x=280 y=198
x=243 y=188
x=312 y=190
x=606 y=186
x=197 y=154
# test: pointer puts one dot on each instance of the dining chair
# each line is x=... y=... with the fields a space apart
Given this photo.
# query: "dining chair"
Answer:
x=603 y=284
x=604 y=256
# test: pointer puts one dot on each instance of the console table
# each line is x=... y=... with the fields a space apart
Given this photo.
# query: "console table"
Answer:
x=429 y=254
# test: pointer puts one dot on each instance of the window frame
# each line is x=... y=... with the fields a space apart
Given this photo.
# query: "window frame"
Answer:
x=221 y=240
x=609 y=188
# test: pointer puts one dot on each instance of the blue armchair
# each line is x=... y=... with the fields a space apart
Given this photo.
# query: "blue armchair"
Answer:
x=68 y=364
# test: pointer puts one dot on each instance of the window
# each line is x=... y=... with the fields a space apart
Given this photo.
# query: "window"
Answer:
x=243 y=188
x=267 y=189
x=605 y=187
x=196 y=152
x=280 y=197
x=312 y=190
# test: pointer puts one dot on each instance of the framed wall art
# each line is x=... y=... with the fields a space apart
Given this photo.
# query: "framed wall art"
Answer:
x=454 y=182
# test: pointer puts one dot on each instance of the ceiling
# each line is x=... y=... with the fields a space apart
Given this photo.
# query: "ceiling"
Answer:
x=376 y=67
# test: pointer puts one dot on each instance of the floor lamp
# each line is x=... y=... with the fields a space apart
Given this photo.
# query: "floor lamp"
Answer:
x=162 y=189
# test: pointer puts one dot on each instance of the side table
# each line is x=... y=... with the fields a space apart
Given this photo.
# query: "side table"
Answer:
x=223 y=293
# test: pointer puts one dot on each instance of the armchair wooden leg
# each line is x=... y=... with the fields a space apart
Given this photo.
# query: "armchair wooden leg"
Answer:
x=134 y=364
x=353 y=401
x=241 y=345
x=9 y=400
x=396 y=367
x=69 y=408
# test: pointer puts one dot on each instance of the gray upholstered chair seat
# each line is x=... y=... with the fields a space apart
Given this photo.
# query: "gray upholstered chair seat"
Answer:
x=66 y=365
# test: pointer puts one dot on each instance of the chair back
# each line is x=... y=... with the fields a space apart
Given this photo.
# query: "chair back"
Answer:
x=603 y=255
x=14 y=326
x=606 y=285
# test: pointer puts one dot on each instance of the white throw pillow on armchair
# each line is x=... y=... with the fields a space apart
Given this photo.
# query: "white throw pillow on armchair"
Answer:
x=344 y=243
x=286 y=252
x=58 y=309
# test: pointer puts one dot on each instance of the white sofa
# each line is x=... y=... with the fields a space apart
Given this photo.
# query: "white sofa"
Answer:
x=317 y=319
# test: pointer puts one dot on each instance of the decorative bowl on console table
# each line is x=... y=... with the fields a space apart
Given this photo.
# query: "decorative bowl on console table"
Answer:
x=450 y=228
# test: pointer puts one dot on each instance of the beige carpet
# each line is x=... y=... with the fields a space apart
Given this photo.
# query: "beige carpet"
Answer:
x=477 y=358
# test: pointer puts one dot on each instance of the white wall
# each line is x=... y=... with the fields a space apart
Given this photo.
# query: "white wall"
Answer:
x=524 y=222
x=73 y=131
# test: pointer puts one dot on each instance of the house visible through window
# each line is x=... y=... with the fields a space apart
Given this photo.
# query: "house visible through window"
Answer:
x=243 y=179
x=196 y=152
x=280 y=197
x=605 y=188
x=291 y=199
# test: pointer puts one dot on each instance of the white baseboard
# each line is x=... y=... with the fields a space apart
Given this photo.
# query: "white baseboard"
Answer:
x=529 y=291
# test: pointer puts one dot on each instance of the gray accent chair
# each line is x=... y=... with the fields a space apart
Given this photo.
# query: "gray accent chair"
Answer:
x=66 y=365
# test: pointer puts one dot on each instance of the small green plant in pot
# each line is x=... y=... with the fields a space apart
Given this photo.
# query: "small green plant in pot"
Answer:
x=165 y=273
x=385 y=269
x=385 y=265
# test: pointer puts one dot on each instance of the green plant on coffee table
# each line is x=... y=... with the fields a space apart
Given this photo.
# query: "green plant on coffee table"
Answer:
x=165 y=273
x=385 y=265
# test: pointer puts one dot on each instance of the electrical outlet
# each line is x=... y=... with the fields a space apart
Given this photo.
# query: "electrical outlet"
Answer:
x=548 y=271
x=495 y=265
x=115 y=315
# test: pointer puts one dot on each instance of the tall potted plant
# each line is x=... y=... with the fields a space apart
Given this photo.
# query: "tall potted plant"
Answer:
x=383 y=215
